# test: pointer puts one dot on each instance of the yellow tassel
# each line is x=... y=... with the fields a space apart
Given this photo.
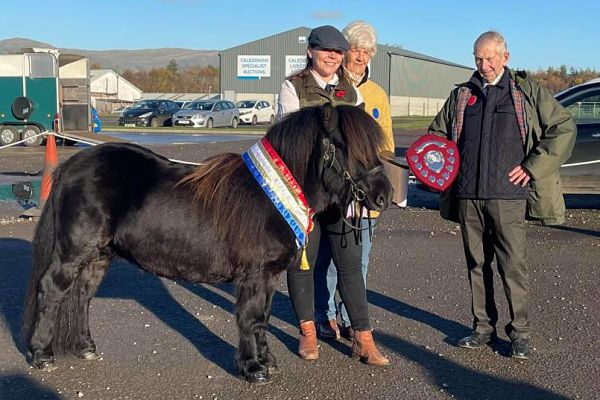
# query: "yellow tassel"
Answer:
x=304 y=265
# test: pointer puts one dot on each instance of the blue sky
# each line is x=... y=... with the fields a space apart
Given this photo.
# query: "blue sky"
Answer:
x=539 y=33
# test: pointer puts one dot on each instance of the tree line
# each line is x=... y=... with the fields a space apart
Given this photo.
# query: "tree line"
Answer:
x=172 y=79
x=561 y=78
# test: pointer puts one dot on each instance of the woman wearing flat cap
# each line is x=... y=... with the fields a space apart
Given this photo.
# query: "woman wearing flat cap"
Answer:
x=322 y=81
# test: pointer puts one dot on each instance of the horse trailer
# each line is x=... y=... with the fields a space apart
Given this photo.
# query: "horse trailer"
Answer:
x=43 y=91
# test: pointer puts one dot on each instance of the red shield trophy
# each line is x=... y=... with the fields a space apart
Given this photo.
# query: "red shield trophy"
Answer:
x=434 y=161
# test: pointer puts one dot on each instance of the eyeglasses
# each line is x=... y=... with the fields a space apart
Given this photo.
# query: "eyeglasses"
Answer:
x=362 y=52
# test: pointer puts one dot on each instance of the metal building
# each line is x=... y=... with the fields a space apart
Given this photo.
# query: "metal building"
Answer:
x=416 y=84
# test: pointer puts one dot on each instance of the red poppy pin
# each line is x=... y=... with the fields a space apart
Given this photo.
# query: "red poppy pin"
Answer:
x=472 y=100
x=340 y=93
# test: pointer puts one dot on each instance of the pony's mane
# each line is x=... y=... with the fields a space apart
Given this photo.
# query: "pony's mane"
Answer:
x=221 y=189
x=295 y=140
x=211 y=182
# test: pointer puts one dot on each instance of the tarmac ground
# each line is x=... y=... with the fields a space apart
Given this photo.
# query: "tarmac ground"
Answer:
x=164 y=339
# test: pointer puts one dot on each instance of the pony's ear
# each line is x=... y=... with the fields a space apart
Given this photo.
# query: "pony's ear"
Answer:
x=330 y=118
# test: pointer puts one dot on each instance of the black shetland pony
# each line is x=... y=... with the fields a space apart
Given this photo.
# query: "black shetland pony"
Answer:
x=211 y=223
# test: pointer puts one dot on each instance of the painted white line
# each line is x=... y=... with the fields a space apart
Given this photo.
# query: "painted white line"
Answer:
x=581 y=163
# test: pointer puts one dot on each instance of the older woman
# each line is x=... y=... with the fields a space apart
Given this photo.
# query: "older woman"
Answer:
x=324 y=80
x=362 y=41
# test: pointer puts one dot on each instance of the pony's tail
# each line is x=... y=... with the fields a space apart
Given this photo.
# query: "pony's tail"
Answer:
x=43 y=246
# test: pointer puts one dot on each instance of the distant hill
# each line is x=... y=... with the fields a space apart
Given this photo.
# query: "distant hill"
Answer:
x=120 y=60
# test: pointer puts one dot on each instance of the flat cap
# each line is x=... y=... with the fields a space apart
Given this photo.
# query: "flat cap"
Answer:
x=327 y=37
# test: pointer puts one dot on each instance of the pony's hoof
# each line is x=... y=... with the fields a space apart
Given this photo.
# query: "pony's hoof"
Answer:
x=258 y=378
x=89 y=355
x=45 y=365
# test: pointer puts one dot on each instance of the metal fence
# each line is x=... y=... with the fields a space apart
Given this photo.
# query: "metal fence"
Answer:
x=584 y=110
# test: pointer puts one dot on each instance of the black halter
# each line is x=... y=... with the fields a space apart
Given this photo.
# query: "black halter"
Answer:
x=358 y=195
x=330 y=161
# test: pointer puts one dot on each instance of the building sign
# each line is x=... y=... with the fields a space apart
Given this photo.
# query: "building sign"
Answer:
x=253 y=67
x=294 y=64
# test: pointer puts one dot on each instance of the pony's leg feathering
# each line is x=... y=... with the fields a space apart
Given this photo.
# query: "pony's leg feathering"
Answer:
x=254 y=359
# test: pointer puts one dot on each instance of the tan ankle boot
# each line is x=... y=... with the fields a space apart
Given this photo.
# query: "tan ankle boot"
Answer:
x=308 y=349
x=363 y=347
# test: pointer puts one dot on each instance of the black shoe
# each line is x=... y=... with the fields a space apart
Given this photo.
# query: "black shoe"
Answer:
x=520 y=349
x=477 y=340
x=328 y=330
x=347 y=333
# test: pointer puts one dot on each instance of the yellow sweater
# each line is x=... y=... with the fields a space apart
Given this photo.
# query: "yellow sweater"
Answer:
x=377 y=105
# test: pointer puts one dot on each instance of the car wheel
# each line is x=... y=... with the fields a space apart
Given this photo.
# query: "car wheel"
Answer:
x=154 y=123
x=29 y=135
x=8 y=135
x=209 y=123
x=234 y=122
x=254 y=120
x=272 y=119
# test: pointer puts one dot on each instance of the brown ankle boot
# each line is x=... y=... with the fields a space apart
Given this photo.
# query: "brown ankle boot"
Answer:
x=363 y=347
x=308 y=349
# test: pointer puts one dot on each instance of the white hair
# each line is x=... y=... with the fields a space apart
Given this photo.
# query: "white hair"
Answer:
x=361 y=35
x=501 y=46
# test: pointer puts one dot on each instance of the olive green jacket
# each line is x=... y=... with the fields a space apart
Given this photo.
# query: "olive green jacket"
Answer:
x=549 y=142
x=310 y=93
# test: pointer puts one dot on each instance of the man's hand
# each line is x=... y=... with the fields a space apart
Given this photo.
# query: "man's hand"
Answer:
x=518 y=175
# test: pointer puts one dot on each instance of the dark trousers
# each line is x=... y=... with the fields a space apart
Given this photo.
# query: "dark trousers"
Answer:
x=496 y=227
x=346 y=251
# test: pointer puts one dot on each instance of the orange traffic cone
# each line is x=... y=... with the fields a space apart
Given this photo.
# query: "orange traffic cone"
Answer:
x=50 y=163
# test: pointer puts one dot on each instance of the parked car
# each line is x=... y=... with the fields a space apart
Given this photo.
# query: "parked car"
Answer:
x=96 y=122
x=255 y=111
x=119 y=110
x=149 y=113
x=581 y=173
x=207 y=114
x=182 y=103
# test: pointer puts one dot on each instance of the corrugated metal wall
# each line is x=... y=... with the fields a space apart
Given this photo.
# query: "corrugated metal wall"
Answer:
x=277 y=46
x=422 y=78
x=416 y=83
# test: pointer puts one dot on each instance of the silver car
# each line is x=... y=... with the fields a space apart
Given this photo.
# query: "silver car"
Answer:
x=207 y=114
x=581 y=173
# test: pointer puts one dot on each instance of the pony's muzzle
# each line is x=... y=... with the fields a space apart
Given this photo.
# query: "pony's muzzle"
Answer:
x=383 y=201
x=378 y=190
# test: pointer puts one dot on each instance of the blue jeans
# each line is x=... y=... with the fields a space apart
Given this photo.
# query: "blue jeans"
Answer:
x=326 y=278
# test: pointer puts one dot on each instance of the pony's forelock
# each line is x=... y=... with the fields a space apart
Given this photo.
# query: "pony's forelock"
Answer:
x=363 y=137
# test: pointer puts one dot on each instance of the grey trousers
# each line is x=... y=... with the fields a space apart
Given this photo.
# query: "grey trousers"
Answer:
x=496 y=227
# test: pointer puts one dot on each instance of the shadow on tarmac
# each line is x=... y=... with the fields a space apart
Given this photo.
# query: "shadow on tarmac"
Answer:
x=580 y=231
x=452 y=329
x=127 y=281
x=15 y=259
x=281 y=308
x=471 y=384
x=20 y=387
